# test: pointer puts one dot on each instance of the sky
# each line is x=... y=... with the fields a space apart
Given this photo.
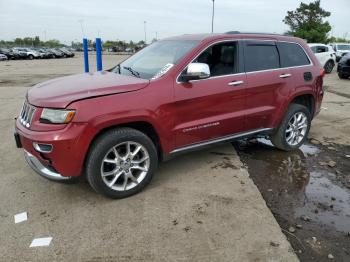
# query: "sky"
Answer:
x=70 y=20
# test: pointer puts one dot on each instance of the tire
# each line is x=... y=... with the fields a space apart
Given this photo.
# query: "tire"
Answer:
x=121 y=171
x=328 y=67
x=343 y=76
x=30 y=57
x=280 y=138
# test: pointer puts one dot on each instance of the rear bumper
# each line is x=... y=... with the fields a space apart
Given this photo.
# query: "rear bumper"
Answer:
x=42 y=170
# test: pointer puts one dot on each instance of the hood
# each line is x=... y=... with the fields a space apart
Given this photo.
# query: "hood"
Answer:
x=60 y=92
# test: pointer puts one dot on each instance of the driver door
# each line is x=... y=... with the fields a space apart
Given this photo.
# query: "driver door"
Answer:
x=211 y=108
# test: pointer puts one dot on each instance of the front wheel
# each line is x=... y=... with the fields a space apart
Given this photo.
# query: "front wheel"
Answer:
x=294 y=128
x=121 y=162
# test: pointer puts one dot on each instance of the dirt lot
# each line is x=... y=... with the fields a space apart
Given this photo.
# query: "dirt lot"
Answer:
x=208 y=211
x=308 y=190
x=201 y=206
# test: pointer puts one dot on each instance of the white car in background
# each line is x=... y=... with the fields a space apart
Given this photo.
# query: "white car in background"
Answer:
x=3 y=57
x=340 y=49
x=30 y=54
x=325 y=55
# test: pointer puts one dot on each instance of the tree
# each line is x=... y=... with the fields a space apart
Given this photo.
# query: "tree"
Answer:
x=36 y=41
x=307 y=22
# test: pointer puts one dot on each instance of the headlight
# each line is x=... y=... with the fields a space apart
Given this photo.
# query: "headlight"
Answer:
x=56 y=116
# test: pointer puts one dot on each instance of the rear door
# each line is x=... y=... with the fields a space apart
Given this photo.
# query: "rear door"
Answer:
x=267 y=83
x=304 y=74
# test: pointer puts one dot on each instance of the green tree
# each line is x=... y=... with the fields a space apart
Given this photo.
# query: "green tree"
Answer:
x=307 y=22
x=36 y=41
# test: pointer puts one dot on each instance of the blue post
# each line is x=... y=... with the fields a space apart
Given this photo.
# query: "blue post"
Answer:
x=86 y=55
x=98 y=54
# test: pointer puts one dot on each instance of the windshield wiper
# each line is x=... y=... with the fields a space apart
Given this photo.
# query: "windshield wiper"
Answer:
x=132 y=71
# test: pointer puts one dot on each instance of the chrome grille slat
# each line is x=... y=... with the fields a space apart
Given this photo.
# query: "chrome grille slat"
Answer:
x=27 y=114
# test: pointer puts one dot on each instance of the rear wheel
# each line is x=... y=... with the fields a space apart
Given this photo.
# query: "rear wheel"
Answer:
x=30 y=57
x=121 y=162
x=294 y=128
x=328 y=67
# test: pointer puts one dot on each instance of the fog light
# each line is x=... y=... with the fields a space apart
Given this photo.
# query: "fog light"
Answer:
x=42 y=148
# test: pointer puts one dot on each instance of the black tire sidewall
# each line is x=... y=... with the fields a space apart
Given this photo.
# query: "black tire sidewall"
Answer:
x=326 y=67
x=98 y=151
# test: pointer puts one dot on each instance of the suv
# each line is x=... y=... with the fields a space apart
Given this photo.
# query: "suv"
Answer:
x=340 y=49
x=27 y=52
x=325 y=55
x=175 y=95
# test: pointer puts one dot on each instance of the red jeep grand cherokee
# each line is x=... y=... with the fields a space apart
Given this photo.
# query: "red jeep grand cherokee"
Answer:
x=175 y=95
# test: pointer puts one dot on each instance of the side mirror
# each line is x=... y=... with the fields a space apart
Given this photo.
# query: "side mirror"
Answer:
x=196 y=71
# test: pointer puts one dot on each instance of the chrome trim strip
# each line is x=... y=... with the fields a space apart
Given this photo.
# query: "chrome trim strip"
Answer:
x=38 y=148
x=39 y=168
x=217 y=140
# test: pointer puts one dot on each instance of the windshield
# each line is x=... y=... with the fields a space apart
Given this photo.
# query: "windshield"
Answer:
x=155 y=60
x=343 y=47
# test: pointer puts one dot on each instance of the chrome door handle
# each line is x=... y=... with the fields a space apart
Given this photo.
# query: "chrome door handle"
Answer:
x=285 y=75
x=235 y=83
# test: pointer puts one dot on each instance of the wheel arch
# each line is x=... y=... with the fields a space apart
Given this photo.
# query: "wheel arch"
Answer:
x=143 y=126
x=306 y=99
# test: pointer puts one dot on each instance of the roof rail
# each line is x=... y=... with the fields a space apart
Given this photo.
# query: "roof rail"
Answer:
x=252 y=33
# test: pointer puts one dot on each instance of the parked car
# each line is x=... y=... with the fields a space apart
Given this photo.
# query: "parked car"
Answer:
x=66 y=52
x=9 y=53
x=18 y=54
x=27 y=52
x=325 y=55
x=3 y=57
x=344 y=67
x=340 y=49
x=175 y=95
x=44 y=53
x=56 y=53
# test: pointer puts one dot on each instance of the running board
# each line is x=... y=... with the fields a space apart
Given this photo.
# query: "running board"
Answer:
x=221 y=139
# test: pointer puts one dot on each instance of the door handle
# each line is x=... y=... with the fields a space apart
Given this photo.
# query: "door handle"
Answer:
x=285 y=75
x=235 y=83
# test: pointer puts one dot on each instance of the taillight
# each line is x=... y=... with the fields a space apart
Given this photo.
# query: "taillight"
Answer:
x=322 y=73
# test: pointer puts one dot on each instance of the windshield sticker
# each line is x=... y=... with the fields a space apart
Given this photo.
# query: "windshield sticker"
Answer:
x=162 y=71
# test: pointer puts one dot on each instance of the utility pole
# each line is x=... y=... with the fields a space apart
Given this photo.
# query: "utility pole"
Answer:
x=144 y=27
x=212 y=18
x=81 y=21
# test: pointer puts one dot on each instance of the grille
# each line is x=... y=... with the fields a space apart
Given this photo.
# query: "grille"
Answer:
x=26 y=115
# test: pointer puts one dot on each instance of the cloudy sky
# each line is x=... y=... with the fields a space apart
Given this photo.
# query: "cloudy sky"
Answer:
x=124 y=19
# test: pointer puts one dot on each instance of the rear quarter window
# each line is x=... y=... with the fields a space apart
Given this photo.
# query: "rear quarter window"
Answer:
x=292 y=55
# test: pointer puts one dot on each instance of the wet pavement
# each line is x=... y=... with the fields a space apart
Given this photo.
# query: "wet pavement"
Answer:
x=308 y=191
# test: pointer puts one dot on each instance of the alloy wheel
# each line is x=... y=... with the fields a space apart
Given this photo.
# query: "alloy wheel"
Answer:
x=296 y=129
x=125 y=166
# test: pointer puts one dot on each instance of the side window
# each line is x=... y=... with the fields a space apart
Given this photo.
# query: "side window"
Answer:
x=314 y=49
x=321 y=49
x=222 y=58
x=292 y=55
x=260 y=56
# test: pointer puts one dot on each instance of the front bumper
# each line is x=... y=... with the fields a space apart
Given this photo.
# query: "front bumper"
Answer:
x=69 y=147
x=42 y=170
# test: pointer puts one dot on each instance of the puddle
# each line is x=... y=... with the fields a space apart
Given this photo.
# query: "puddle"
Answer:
x=308 y=189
